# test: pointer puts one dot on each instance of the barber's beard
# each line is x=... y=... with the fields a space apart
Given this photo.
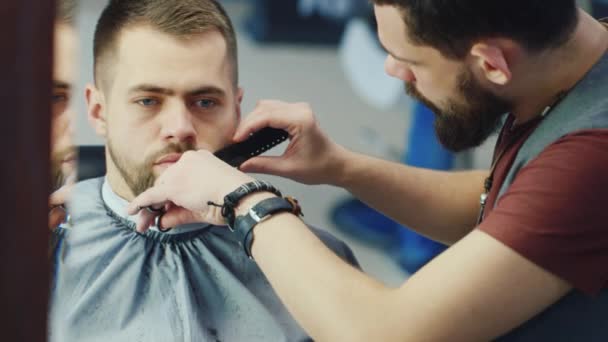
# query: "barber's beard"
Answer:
x=465 y=124
x=58 y=172
x=140 y=176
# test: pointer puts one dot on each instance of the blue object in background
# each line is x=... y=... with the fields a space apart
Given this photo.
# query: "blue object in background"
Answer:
x=426 y=152
x=279 y=21
x=410 y=249
x=599 y=8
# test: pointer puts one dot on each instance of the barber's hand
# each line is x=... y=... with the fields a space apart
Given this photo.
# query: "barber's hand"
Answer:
x=184 y=190
x=57 y=202
x=310 y=158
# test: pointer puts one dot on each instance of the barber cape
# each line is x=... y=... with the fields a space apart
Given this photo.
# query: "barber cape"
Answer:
x=114 y=284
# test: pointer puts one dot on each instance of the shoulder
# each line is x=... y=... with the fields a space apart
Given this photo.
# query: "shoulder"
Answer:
x=577 y=158
x=554 y=212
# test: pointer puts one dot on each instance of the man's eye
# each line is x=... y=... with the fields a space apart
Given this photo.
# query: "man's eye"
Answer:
x=147 y=102
x=205 y=103
x=59 y=98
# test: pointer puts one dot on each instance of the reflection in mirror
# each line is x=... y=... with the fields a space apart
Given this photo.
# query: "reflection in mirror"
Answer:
x=165 y=81
x=63 y=154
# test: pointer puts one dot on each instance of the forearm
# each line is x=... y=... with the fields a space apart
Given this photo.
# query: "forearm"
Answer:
x=332 y=300
x=439 y=204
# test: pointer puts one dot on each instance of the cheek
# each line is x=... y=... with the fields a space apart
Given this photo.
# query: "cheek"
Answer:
x=217 y=133
x=436 y=88
x=60 y=133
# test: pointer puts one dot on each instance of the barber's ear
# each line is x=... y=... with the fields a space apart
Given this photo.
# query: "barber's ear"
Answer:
x=492 y=61
x=96 y=110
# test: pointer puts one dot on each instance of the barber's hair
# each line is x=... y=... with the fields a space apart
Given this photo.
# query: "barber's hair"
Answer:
x=452 y=27
x=66 y=11
x=180 y=18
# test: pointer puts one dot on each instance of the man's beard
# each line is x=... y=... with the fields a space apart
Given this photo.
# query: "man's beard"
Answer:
x=140 y=177
x=58 y=175
x=462 y=126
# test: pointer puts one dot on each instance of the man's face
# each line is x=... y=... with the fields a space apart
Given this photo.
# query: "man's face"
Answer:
x=63 y=157
x=162 y=96
x=466 y=112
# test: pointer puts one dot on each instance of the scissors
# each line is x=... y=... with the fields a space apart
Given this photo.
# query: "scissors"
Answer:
x=67 y=218
x=158 y=212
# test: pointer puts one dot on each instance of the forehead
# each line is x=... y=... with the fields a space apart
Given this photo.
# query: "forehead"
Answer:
x=395 y=37
x=65 y=44
x=391 y=26
x=146 y=55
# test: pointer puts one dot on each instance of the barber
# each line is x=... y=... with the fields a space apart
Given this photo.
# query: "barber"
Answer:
x=528 y=257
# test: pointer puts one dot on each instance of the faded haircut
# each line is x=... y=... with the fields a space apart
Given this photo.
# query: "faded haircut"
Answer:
x=180 y=18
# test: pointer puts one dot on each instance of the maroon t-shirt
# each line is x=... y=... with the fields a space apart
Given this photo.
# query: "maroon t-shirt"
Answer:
x=555 y=213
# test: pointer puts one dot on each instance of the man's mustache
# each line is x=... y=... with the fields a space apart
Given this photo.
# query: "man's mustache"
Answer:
x=171 y=148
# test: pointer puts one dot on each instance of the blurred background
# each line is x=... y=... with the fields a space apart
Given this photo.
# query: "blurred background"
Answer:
x=325 y=52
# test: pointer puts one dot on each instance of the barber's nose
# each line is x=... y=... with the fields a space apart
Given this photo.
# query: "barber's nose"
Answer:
x=398 y=70
x=179 y=126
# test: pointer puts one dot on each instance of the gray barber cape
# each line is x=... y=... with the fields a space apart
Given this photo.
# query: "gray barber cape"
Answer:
x=114 y=284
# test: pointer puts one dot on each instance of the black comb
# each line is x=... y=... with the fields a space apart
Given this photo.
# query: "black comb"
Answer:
x=258 y=143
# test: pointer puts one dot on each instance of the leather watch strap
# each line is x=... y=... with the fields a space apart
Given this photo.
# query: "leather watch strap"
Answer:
x=232 y=199
x=244 y=224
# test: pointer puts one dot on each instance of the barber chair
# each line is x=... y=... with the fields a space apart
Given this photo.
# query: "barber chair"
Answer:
x=91 y=162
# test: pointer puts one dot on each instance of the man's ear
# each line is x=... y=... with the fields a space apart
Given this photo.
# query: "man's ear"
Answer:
x=96 y=110
x=239 y=99
x=492 y=60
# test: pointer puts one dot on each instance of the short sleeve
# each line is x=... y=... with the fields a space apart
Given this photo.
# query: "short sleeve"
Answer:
x=555 y=213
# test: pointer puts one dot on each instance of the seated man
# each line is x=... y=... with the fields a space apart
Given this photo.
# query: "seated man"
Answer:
x=165 y=83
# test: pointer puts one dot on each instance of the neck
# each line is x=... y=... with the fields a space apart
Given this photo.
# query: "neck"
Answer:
x=558 y=70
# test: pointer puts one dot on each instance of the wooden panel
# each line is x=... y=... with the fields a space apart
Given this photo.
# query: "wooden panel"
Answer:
x=26 y=31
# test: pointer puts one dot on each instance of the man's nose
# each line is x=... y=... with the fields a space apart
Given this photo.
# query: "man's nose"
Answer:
x=398 y=70
x=178 y=125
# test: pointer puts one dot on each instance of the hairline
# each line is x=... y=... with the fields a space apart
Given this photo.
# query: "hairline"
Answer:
x=111 y=49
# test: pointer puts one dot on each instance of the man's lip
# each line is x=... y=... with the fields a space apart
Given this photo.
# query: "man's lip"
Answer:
x=170 y=158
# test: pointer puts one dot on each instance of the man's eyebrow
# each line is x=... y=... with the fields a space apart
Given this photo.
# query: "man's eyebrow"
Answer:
x=148 y=88
x=205 y=90
x=208 y=90
x=401 y=59
x=61 y=85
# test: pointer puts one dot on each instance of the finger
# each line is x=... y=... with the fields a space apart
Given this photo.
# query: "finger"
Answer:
x=144 y=221
x=57 y=215
x=177 y=216
x=262 y=118
x=270 y=165
x=155 y=196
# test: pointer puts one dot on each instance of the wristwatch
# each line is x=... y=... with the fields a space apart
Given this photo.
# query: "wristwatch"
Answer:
x=244 y=224
x=232 y=199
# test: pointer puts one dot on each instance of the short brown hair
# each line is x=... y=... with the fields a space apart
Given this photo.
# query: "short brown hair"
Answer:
x=66 y=11
x=180 y=18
